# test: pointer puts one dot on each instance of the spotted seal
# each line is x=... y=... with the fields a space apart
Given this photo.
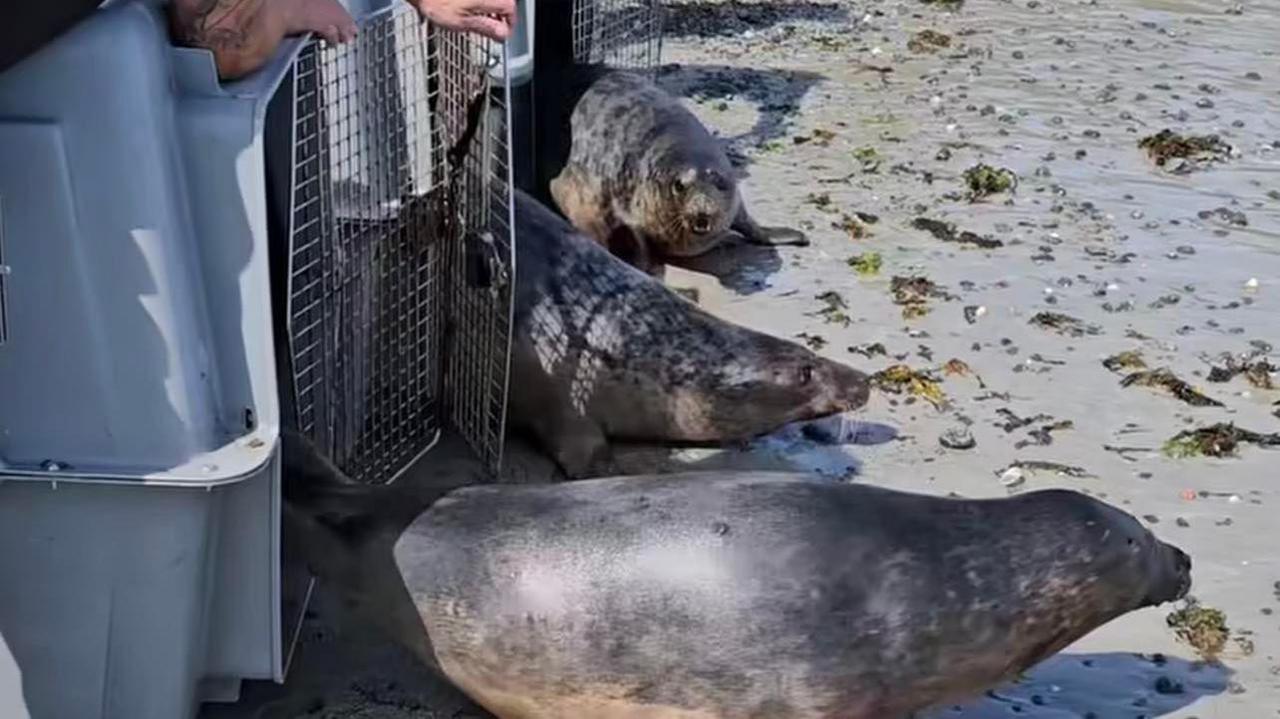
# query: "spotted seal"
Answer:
x=740 y=595
x=646 y=178
x=601 y=351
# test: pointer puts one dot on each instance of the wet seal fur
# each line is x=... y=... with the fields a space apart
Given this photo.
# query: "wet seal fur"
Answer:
x=601 y=351
x=723 y=595
x=645 y=178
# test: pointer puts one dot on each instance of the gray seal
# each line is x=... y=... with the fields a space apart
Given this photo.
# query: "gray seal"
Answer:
x=645 y=178
x=742 y=595
x=602 y=351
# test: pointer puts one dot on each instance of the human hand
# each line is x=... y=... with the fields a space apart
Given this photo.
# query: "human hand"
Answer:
x=326 y=18
x=490 y=18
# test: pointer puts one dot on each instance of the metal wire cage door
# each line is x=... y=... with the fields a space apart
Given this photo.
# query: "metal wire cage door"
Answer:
x=620 y=33
x=399 y=304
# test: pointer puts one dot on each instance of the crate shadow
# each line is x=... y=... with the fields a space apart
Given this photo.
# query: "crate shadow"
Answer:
x=727 y=19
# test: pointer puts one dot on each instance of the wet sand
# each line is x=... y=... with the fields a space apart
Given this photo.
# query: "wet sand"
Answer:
x=830 y=114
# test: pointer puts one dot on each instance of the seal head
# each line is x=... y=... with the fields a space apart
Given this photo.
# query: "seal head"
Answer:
x=689 y=201
x=602 y=351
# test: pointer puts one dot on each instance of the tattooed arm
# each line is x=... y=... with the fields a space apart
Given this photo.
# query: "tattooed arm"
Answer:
x=242 y=34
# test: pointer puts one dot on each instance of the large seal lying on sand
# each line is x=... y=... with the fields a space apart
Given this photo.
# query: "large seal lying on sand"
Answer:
x=603 y=351
x=645 y=178
x=722 y=595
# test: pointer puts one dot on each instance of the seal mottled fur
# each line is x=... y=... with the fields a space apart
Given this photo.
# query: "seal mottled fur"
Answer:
x=645 y=178
x=601 y=351
x=742 y=595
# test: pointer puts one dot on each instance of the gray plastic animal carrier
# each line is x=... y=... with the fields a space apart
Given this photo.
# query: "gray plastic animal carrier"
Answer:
x=163 y=310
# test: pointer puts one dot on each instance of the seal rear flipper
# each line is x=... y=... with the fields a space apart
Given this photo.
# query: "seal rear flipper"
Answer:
x=751 y=231
x=310 y=482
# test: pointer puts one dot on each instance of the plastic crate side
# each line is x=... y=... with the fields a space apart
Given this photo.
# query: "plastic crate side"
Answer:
x=109 y=618
x=101 y=258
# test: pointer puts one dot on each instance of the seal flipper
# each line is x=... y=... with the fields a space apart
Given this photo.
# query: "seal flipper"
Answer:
x=576 y=443
x=635 y=249
x=756 y=234
x=353 y=510
x=580 y=201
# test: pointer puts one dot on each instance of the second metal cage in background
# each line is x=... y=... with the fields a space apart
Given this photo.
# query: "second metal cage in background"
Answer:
x=399 y=298
x=619 y=33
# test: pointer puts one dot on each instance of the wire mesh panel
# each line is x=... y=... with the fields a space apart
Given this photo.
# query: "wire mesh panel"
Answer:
x=620 y=33
x=393 y=182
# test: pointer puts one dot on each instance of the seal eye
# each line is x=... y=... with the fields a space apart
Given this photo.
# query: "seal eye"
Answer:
x=806 y=374
x=680 y=185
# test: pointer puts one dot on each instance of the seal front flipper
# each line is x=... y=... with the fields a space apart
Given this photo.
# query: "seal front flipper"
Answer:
x=756 y=234
x=634 y=249
x=581 y=202
x=576 y=443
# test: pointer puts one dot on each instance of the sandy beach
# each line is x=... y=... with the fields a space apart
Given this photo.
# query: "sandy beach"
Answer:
x=847 y=120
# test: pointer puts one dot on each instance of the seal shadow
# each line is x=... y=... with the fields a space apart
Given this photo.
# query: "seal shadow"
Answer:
x=776 y=94
x=738 y=266
x=1069 y=685
x=821 y=447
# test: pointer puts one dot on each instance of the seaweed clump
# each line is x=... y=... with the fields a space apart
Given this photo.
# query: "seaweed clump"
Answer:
x=1035 y=465
x=928 y=41
x=819 y=137
x=1255 y=369
x=1204 y=628
x=813 y=342
x=834 y=311
x=983 y=180
x=852 y=226
x=1168 y=145
x=1127 y=360
x=913 y=294
x=1165 y=378
x=1063 y=324
x=1216 y=440
x=899 y=379
x=866 y=264
x=947 y=232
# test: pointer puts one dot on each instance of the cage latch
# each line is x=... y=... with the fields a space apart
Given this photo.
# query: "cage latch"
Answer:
x=485 y=268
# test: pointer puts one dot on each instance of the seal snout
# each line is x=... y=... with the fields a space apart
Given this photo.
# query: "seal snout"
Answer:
x=853 y=388
x=1174 y=582
x=700 y=223
x=1182 y=564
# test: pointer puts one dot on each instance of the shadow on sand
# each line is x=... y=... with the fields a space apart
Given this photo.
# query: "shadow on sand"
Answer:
x=1069 y=686
x=776 y=94
x=727 y=19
